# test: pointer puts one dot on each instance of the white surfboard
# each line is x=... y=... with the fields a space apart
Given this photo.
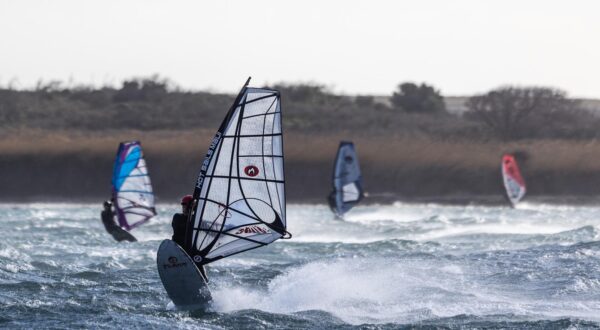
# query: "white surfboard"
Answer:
x=182 y=280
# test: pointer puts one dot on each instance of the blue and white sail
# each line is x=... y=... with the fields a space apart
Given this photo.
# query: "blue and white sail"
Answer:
x=240 y=191
x=347 y=187
x=132 y=190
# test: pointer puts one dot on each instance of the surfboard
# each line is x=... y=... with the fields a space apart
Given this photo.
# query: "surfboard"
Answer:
x=182 y=280
x=112 y=228
x=514 y=183
x=121 y=235
x=346 y=178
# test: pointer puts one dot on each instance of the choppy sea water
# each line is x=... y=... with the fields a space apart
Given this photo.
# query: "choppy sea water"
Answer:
x=386 y=266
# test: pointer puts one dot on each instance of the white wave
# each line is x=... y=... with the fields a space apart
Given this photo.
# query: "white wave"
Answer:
x=431 y=222
x=64 y=239
x=519 y=229
x=380 y=291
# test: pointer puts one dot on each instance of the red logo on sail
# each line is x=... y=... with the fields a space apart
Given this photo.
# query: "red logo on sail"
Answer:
x=252 y=230
x=251 y=170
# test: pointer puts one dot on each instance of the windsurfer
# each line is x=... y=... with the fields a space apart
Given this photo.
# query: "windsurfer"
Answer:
x=108 y=219
x=331 y=200
x=179 y=224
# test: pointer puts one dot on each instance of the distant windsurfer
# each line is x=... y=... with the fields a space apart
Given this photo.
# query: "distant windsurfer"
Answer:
x=108 y=219
x=179 y=224
x=346 y=180
x=332 y=204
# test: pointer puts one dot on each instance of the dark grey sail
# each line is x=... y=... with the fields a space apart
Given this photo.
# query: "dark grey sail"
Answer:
x=240 y=191
x=347 y=186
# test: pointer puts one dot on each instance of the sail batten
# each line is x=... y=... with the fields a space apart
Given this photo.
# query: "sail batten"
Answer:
x=239 y=194
x=132 y=191
x=347 y=186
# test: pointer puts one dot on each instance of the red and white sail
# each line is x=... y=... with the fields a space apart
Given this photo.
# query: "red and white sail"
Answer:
x=513 y=181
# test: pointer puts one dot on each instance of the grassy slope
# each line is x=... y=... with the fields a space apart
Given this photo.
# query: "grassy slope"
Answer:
x=57 y=166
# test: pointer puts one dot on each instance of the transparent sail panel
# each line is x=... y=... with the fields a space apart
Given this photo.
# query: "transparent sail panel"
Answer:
x=350 y=192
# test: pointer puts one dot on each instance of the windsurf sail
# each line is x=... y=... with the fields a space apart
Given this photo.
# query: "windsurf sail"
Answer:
x=239 y=197
x=513 y=181
x=131 y=187
x=347 y=187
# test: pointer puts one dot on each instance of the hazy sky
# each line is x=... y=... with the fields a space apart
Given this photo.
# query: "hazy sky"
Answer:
x=461 y=47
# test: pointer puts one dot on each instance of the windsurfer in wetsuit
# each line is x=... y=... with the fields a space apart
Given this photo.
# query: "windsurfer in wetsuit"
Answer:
x=108 y=219
x=331 y=200
x=179 y=224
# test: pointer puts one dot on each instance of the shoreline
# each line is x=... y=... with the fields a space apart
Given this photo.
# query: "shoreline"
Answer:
x=78 y=168
x=388 y=199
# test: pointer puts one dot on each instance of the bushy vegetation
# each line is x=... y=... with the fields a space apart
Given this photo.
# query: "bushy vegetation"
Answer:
x=511 y=113
x=418 y=110
x=144 y=104
x=60 y=142
x=422 y=98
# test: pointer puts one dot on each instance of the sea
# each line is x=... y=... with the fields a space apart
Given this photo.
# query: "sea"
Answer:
x=389 y=266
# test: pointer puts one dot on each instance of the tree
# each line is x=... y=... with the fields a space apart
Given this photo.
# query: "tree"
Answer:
x=420 y=99
x=152 y=89
x=364 y=101
x=129 y=92
x=303 y=92
x=513 y=112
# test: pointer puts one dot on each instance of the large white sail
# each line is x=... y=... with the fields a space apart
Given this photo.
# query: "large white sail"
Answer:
x=240 y=191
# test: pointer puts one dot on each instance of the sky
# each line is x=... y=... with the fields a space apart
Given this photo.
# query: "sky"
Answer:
x=461 y=47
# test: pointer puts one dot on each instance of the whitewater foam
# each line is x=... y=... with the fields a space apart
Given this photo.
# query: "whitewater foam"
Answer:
x=403 y=264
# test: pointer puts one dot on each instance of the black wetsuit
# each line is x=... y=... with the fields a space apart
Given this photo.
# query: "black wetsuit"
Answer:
x=179 y=225
x=112 y=228
x=331 y=200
